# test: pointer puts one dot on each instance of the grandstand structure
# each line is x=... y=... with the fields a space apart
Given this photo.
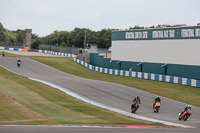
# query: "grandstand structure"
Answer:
x=173 y=51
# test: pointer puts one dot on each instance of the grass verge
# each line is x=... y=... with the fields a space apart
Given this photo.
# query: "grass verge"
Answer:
x=23 y=101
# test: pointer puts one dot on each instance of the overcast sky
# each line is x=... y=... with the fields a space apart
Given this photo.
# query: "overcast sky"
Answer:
x=45 y=16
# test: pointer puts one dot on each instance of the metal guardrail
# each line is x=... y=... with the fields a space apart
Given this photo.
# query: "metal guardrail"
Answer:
x=55 y=48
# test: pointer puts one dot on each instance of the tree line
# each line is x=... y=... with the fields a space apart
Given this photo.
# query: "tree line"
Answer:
x=74 y=38
x=13 y=37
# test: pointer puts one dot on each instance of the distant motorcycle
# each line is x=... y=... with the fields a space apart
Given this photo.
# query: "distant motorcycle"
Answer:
x=156 y=107
x=134 y=107
x=18 y=63
x=184 y=115
x=3 y=53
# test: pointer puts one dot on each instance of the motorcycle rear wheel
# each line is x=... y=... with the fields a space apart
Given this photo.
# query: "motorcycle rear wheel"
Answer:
x=157 y=109
x=185 y=117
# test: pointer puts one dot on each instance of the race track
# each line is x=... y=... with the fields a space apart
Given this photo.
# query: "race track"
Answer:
x=111 y=94
x=78 y=129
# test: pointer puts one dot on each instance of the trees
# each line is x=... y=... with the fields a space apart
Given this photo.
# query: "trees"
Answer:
x=20 y=35
x=2 y=33
x=73 y=38
x=76 y=38
x=36 y=43
x=101 y=38
x=11 y=37
x=104 y=38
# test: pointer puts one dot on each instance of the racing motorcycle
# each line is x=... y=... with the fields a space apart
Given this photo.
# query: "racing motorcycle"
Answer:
x=134 y=107
x=185 y=115
x=156 y=107
x=18 y=63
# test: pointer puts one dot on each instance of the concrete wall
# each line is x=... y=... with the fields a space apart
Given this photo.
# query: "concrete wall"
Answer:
x=186 y=71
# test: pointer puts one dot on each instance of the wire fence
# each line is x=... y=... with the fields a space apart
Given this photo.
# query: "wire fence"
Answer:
x=12 y=45
x=54 y=48
x=73 y=50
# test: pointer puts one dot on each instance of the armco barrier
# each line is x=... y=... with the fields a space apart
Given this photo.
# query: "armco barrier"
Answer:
x=149 y=76
x=56 y=53
x=14 y=49
x=41 y=51
x=25 y=50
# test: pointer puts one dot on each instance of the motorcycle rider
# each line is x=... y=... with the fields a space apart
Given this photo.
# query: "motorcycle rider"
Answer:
x=3 y=53
x=18 y=63
x=186 y=108
x=135 y=105
x=157 y=99
x=136 y=100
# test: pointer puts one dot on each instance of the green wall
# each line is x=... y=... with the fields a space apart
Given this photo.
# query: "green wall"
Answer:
x=190 y=32
x=186 y=71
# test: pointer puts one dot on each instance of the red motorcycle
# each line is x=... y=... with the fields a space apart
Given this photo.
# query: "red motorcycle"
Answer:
x=156 y=107
x=185 y=115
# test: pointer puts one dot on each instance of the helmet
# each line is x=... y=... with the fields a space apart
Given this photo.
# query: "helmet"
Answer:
x=188 y=106
x=157 y=97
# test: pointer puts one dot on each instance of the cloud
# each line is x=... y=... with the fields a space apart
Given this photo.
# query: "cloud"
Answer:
x=13 y=21
x=45 y=16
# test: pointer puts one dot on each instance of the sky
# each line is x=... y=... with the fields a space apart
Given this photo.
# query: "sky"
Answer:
x=46 y=16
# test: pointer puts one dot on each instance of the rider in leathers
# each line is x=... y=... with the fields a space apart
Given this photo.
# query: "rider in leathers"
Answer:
x=157 y=99
x=136 y=100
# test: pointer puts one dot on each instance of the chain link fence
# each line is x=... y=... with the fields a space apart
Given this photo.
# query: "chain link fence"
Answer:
x=72 y=50
x=83 y=54
x=12 y=45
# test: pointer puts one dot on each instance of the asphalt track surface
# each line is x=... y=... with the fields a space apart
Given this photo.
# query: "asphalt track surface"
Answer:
x=111 y=94
x=65 y=129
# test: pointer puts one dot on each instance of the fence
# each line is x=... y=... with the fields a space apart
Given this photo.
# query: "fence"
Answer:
x=55 y=48
x=12 y=45
x=56 y=53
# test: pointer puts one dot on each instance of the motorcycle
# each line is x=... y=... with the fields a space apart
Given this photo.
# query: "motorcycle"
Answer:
x=156 y=107
x=134 y=107
x=18 y=63
x=184 y=115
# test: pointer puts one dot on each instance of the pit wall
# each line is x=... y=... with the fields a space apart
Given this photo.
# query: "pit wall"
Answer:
x=14 y=49
x=142 y=75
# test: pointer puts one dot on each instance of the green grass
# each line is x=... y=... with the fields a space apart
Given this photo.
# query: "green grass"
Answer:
x=23 y=101
x=11 y=55
x=182 y=93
